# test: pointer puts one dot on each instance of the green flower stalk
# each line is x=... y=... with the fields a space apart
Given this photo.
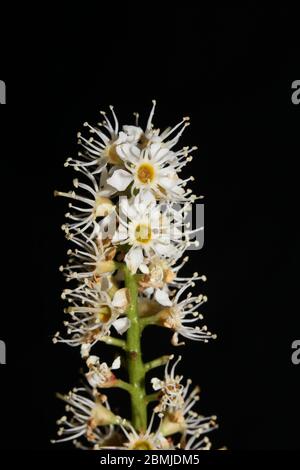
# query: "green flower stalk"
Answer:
x=128 y=231
x=136 y=368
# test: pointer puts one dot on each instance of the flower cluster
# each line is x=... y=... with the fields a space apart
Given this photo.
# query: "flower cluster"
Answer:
x=128 y=230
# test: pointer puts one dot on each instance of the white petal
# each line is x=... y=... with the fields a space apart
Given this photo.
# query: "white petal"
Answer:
x=123 y=137
x=116 y=364
x=120 y=180
x=162 y=298
x=85 y=350
x=93 y=379
x=92 y=361
x=134 y=259
x=120 y=235
x=144 y=268
x=154 y=149
x=120 y=298
x=148 y=198
x=156 y=383
x=121 y=325
x=128 y=152
x=163 y=249
x=148 y=291
x=133 y=133
x=167 y=182
x=159 y=153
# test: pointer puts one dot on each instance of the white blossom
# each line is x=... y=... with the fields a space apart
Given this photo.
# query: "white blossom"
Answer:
x=100 y=374
x=150 y=229
x=182 y=315
x=90 y=418
x=94 y=203
x=154 y=168
x=93 y=313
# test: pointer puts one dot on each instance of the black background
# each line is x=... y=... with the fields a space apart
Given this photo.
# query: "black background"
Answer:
x=230 y=70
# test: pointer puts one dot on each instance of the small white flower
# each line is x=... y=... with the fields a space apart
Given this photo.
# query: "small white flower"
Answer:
x=180 y=417
x=171 y=388
x=157 y=276
x=148 y=440
x=91 y=417
x=93 y=204
x=92 y=316
x=143 y=138
x=90 y=259
x=100 y=148
x=182 y=314
x=100 y=374
x=154 y=168
x=148 y=230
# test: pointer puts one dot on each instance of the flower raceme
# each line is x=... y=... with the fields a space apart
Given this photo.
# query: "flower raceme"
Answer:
x=128 y=230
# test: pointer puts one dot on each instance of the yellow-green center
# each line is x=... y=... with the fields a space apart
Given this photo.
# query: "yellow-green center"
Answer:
x=145 y=173
x=142 y=445
x=143 y=233
x=104 y=314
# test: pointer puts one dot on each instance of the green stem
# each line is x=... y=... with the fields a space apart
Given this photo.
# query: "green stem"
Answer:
x=160 y=361
x=152 y=397
x=121 y=384
x=114 y=342
x=135 y=363
x=151 y=320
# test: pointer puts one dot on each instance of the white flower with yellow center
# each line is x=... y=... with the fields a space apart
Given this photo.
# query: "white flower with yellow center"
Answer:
x=93 y=313
x=148 y=440
x=154 y=168
x=147 y=230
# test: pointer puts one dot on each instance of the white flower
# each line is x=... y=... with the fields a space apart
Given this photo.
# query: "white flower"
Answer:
x=148 y=440
x=93 y=204
x=91 y=417
x=176 y=403
x=179 y=417
x=100 y=374
x=100 y=148
x=148 y=230
x=154 y=168
x=91 y=259
x=172 y=391
x=143 y=138
x=157 y=275
x=92 y=316
x=182 y=314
